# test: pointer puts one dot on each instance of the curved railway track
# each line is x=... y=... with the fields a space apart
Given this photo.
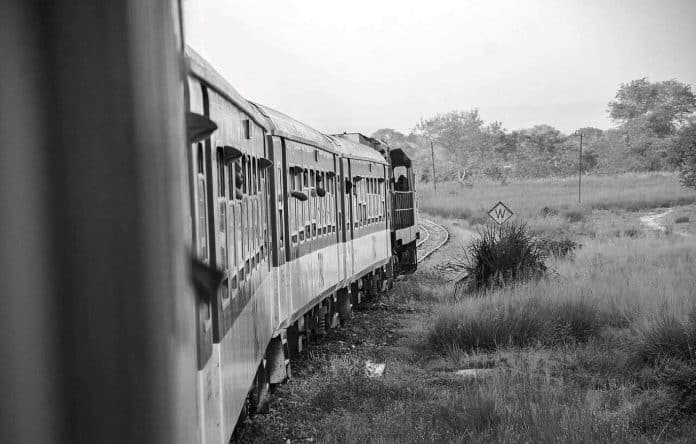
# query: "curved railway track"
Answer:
x=435 y=237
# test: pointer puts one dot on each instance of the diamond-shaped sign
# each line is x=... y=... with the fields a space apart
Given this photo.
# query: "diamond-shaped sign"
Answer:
x=500 y=213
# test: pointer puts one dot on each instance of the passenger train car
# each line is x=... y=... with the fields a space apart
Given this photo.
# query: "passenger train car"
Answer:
x=189 y=243
x=301 y=226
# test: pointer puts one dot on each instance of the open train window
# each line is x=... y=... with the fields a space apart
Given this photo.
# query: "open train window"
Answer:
x=221 y=172
x=232 y=170
x=254 y=176
x=201 y=205
x=199 y=156
x=247 y=129
x=245 y=182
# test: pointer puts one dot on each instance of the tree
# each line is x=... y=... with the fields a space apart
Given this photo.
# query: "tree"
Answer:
x=658 y=107
x=683 y=155
x=462 y=134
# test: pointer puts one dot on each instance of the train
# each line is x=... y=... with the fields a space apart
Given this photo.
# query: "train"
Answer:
x=298 y=224
x=168 y=245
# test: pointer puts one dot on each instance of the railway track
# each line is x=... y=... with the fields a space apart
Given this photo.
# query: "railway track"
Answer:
x=435 y=237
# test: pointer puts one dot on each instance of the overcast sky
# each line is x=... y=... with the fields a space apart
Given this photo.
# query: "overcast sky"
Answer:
x=360 y=65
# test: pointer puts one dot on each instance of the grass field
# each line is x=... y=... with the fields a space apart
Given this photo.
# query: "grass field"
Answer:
x=601 y=350
x=631 y=192
x=614 y=330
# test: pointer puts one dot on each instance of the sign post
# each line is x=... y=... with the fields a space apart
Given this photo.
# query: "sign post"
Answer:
x=500 y=213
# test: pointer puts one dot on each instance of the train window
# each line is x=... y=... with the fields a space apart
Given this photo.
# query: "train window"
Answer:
x=305 y=176
x=254 y=175
x=248 y=183
x=247 y=128
x=238 y=232
x=231 y=171
x=221 y=172
x=201 y=207
x=254 y=224
x=233 y=245
x=245 y=172
x=199 y=156
x=247 y=233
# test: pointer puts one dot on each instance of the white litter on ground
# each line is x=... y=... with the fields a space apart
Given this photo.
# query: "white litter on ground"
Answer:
x=374 y=369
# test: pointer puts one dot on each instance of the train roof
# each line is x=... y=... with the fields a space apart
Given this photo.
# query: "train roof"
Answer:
x=198 y=67
x=282 y=125
x=352 y=149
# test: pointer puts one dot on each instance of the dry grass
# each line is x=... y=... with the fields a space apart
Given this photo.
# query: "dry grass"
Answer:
x=602 y=351
x=527 y=199
x=620 y=317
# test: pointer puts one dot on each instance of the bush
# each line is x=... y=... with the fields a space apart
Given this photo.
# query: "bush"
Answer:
x=632 y=232
x=557 y=245
x=547 y=212
x=666 y=338
x=681 y=220
x=574 y=215
x=500 y=255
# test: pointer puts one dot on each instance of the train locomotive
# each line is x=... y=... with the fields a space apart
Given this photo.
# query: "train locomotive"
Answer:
x=300 y=225
x=167 y=245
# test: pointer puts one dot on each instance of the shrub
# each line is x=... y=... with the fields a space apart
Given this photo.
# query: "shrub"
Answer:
x=681 y=220
x=574 y=215
x=547 y=211
x=666 y=338
x=500 y=255
x=631 y=232
x=557 y=245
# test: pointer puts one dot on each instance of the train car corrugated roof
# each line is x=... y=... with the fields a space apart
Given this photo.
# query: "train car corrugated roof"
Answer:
x=201 y=69
x=285 y=126
x=356 y=150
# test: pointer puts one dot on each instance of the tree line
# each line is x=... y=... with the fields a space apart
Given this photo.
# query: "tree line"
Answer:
x=655 y=130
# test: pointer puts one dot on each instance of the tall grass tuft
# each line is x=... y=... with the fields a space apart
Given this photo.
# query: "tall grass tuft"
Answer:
x=501 y=255
x=520 y=322
x=666 y=337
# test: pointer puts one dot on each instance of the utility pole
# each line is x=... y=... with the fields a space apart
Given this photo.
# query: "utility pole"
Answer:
x=432 y=154
x=578 y=133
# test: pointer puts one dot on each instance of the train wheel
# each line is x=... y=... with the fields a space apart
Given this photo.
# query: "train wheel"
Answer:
x=260 y=392
x=345 y=307
x=296 y=339
x=374 y=285
x=278 y=359
x=357 y=292
x=321 y=326
x=332 y=316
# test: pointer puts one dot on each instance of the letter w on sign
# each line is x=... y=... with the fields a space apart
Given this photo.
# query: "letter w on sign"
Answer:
x=500 y=213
